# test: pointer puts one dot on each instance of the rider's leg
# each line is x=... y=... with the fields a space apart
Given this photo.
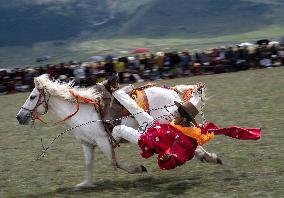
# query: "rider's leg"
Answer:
x=140 y=115
x=125 y=132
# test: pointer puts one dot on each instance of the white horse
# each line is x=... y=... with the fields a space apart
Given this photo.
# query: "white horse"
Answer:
x=59 y=98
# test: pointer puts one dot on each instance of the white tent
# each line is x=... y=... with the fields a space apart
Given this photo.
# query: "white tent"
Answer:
x=245 y=44
x=273 y=43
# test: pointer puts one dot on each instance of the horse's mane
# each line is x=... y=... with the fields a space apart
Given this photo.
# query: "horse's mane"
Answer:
x=62 y=89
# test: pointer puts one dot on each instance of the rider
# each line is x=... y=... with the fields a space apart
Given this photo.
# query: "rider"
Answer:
x=175 y=143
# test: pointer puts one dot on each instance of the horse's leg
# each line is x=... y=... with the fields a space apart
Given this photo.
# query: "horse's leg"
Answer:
x=205 y=156
x=89 y=158
x=104 y=144
x=132 y=169
x=132 y=136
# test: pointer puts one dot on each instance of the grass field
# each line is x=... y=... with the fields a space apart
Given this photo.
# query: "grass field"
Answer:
x=81 y=50
x=251 y=98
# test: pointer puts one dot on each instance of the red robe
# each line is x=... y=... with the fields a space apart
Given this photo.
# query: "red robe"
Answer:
x=165 y=139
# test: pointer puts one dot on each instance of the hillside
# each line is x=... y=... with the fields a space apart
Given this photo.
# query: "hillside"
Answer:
x=197 y=18
x=27 y=22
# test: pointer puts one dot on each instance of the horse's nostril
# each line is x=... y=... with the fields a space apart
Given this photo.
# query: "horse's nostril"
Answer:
x=18 y=117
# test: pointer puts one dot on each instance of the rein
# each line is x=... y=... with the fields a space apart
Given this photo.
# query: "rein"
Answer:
x=46 y=148
x=78 y=99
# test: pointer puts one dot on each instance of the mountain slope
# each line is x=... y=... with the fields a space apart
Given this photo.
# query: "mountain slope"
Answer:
x=29 y=21
x=25 y=22
x=203 y=17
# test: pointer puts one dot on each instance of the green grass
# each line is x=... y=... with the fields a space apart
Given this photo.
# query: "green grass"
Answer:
x=251 y=98
x=81 y=50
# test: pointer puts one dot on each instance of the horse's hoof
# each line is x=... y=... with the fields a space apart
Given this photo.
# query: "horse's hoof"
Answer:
x=144 y=169
x=219 y=161
x=202 y=159
x=84 y=185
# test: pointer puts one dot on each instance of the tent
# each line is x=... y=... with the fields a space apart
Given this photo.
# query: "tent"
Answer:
x=245 y=44
x=43 y=58
x=273 y=43
x=96 y=58
x=263 y=42
x=140 y=50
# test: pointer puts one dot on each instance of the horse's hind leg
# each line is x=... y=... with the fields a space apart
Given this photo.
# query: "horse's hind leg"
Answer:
x=132 y=169
x=132 y=136
x=205 y=156
x=105 y=146
x=89 y=158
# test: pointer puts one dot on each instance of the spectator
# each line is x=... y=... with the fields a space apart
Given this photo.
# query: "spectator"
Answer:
x=51 y=70
x=109 y=67
x=148 y=66
x=241 y=58
x=265 y=57
x=79 y=73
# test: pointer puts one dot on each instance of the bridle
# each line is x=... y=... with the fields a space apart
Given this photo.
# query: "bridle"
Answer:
x=201 y=92
x=42 y=100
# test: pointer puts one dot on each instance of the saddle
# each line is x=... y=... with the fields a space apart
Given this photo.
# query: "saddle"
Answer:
x=112 y=110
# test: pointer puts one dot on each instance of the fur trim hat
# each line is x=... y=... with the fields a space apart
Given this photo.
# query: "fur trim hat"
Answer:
x=187 y=110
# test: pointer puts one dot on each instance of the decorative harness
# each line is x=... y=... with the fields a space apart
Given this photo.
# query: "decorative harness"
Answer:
x=45 y=100
x=138 y=94
x=187 y=95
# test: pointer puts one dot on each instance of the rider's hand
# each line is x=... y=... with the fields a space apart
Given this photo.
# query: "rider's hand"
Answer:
x=165 y=157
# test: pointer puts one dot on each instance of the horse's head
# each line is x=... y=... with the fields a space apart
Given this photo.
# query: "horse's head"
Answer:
x=36 y=104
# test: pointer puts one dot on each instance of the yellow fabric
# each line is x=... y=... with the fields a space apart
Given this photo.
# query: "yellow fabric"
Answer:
x=140 y=97
x=194 y=132
x=187 y=95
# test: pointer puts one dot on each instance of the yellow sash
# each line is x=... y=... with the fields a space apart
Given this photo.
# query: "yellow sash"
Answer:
x=194 y=132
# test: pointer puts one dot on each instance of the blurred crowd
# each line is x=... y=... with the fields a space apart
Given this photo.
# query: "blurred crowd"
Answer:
x=148 y=66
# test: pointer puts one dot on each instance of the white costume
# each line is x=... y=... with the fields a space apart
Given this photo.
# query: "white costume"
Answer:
x=143 y=118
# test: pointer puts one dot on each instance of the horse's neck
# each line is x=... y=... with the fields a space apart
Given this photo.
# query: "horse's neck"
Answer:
x=64 y=108
x=89 y=132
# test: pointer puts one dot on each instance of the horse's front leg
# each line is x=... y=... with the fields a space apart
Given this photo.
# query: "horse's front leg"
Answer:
x=89 y=159
x=205 y=156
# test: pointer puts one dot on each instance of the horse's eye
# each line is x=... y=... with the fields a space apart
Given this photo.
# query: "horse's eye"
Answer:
x=32 y=97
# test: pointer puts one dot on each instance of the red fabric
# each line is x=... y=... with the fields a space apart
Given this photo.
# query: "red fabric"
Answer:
x=233 y=131
x=177 y=148
x=164 y=139
x=140 y=50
